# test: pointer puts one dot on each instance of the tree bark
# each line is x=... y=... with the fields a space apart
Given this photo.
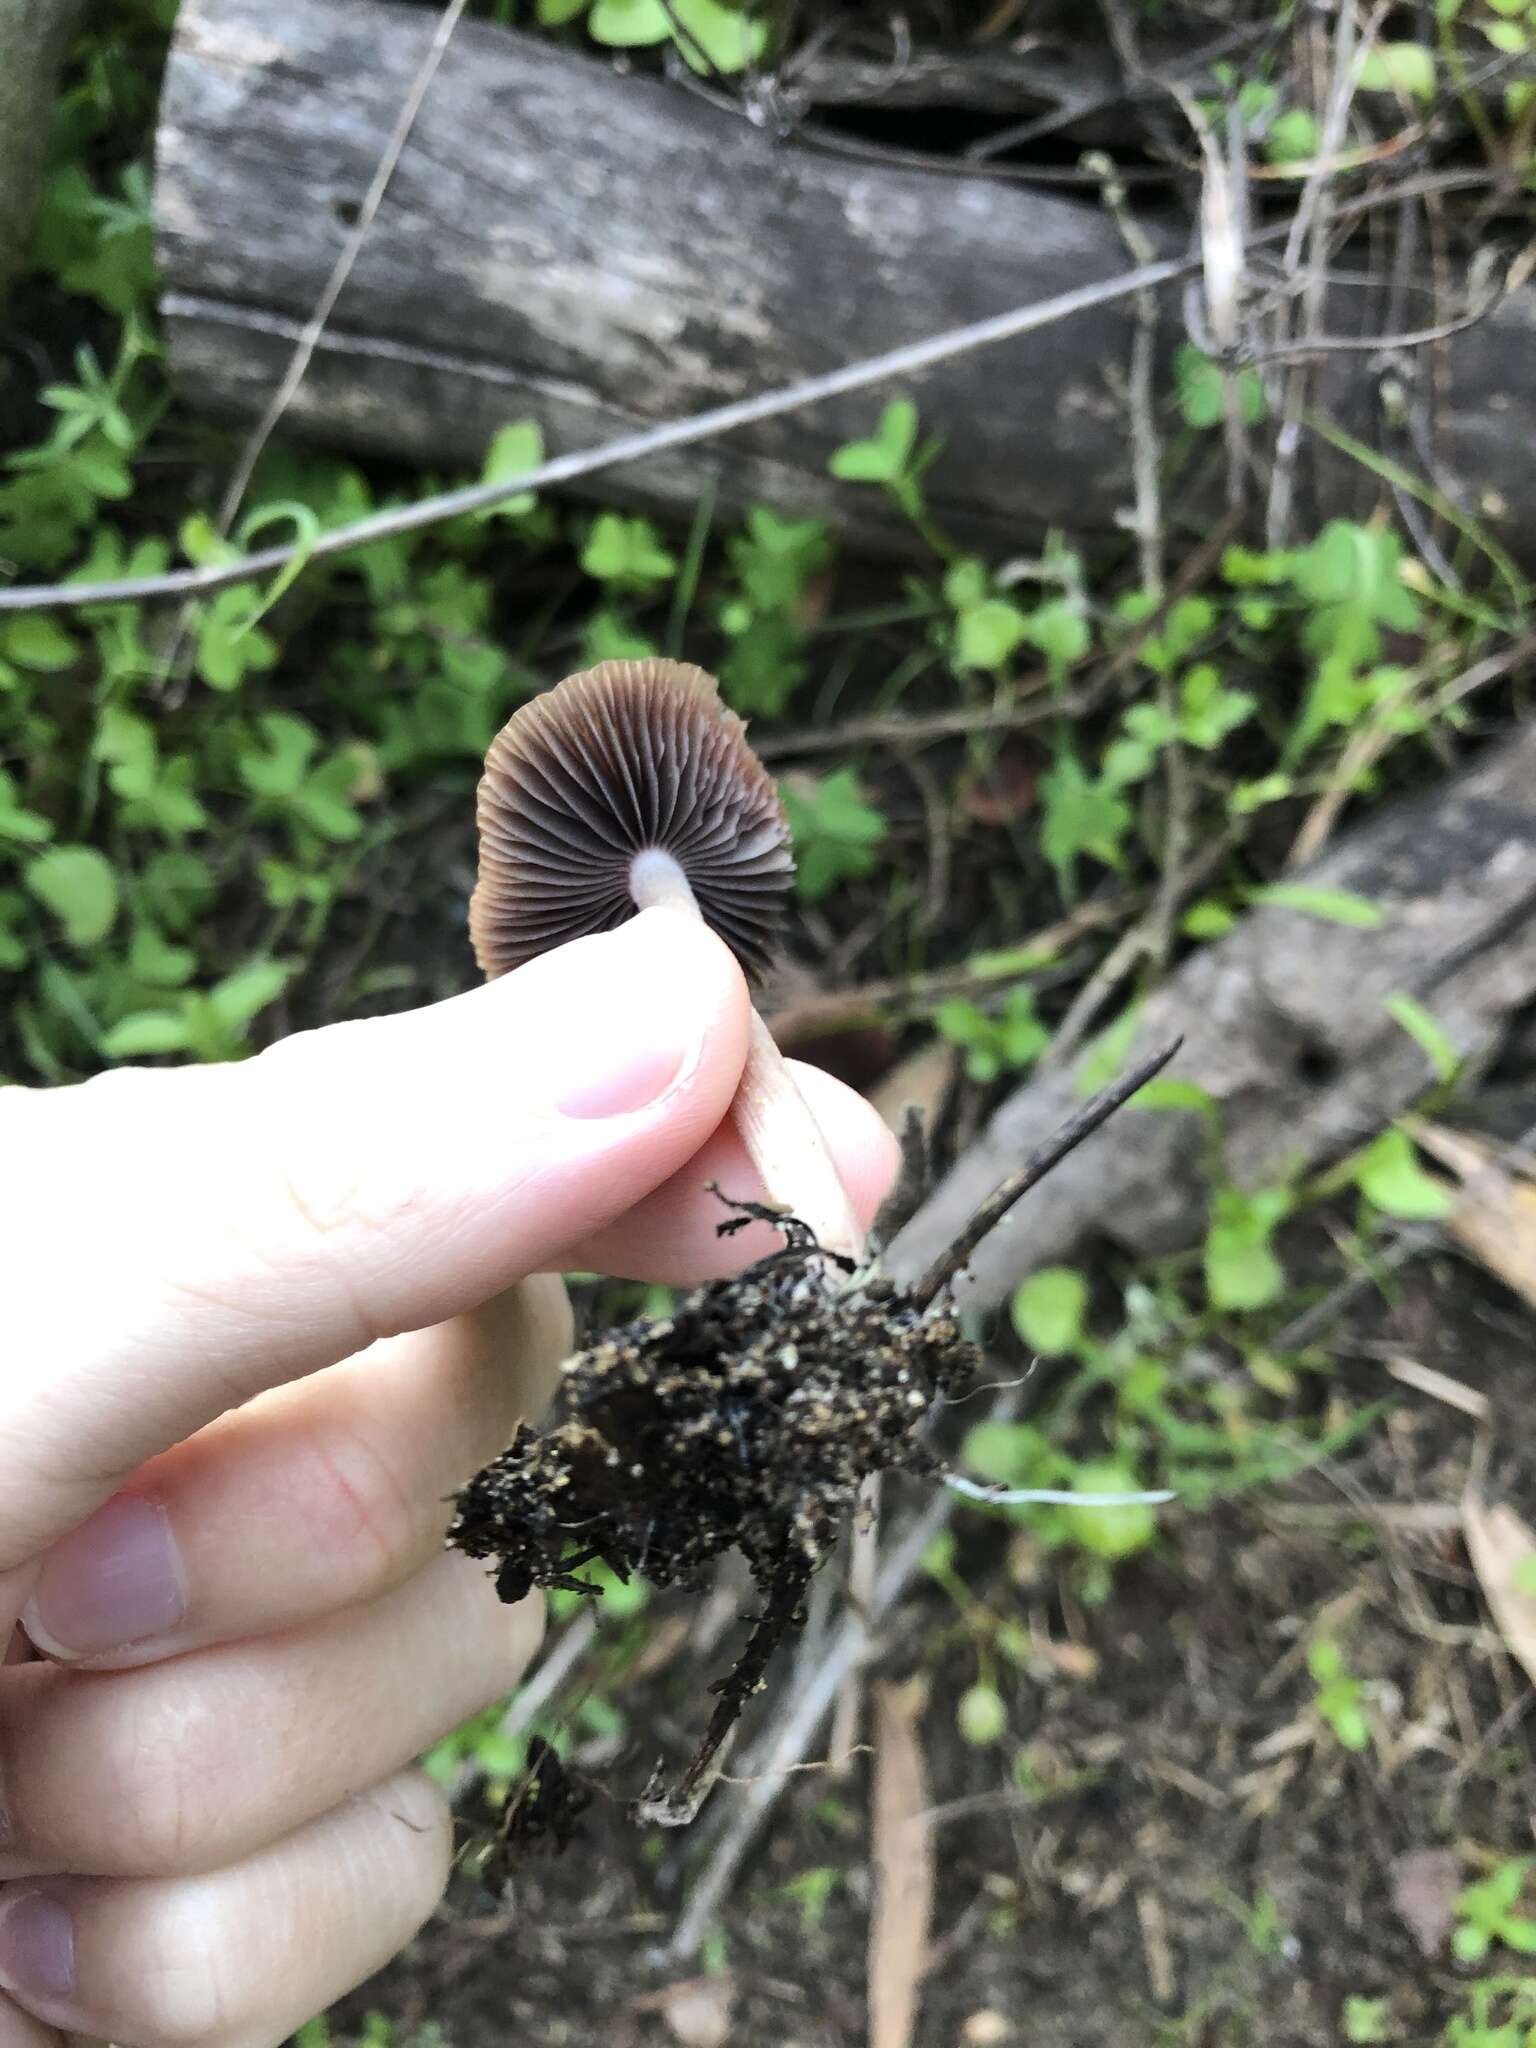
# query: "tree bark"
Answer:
x=1284 y=1024
x=34 y=35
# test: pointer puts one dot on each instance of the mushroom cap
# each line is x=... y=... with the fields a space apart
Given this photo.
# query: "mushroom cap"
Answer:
x=625 y=757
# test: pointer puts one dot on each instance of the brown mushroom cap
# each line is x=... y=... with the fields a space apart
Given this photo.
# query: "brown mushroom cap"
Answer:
x=627 y=756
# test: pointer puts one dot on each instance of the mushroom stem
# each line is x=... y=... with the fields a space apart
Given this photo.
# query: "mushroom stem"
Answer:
x=782 y=1138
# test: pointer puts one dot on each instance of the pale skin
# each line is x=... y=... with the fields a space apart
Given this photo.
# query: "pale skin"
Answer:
x=260 y=1321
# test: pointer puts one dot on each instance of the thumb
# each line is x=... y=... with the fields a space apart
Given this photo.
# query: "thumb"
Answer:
x=182 y=1240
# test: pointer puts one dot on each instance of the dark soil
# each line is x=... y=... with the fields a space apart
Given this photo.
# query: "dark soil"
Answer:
x=1169 y=1846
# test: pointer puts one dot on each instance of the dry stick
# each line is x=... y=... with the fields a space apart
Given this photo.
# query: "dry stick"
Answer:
x=1368 y=745
x=669 y=434
x=1035 y=1168
x=1146 y=470
x=863 y=1571
x=843 y=1008
x=530 y=1700
x=1312 y=223
x=325 y=305
x=351 y=249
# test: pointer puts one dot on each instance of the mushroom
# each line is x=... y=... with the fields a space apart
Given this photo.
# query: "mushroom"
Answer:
x=631 y=787
x=752 y=1415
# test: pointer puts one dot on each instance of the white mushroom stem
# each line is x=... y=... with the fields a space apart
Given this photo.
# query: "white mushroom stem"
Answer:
x=782 y=1138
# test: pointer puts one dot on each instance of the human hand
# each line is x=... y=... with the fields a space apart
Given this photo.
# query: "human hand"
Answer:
x=221 y=1517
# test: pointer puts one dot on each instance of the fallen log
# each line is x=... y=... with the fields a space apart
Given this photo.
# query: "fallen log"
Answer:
x=601 y=252
x=1285 y=1026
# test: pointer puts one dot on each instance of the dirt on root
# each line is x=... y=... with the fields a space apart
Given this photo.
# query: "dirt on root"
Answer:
x=1170 y=1847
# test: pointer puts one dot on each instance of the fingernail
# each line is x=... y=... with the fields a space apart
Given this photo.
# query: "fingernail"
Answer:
x=115 y=1580
x=37 y=1947
x=639 y=1026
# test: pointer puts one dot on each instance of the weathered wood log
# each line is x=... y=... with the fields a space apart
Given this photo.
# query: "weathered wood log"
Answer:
x=601 y=252
x=1284 y=1024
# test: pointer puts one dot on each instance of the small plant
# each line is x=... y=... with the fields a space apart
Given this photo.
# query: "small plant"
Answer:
x=836 y=832
x=709 y=35
x=1367 y=2020
x=895 y=459
x=1338 y=1696
x=995 y=1042
x=1489 y=1914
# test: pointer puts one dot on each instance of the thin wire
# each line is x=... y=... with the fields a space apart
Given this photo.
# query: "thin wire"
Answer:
x=623 y=448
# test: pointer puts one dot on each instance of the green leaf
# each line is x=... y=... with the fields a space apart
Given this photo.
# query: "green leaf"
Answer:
x=1060 y=631
x=1201 y=386
x=835 y=832
x=154 y=960
x=146 y=1033
x=1109 y=1533
x=1335 y=906
x=628 y=24
x=1292 y=138
x=626 y=552
x=1388 y=1174
x=241 y=996
x=610 y=637
x=1241 y=1271
x=719 y=38
x=981 y=1716
x=36 y=640
x=1081 y=816
x=1166 y=1091
x=1105 y=1055
x=553 y=13
x=229 y=642
x=1048 y=1310
x=515 y=449
x=1209 y=711
x=277 y=771
x=17 y=823
x=886 y=454
x=1427 y=1032
x=987 y=633
x=1207 y=920
x=1400 y=68
x=79 y=885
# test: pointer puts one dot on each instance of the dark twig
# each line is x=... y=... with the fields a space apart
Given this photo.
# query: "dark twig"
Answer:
x=1035 y=1168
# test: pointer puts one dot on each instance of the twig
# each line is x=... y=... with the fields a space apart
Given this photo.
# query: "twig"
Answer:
x=1035 y=1168
x=921 y=990
x=1146 y=453
x=351 y=249
x=531 y=1699
x=1310 y=229
x=863 y=1569
x=1367 y=746
x=309 y=340
x=893 y=730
